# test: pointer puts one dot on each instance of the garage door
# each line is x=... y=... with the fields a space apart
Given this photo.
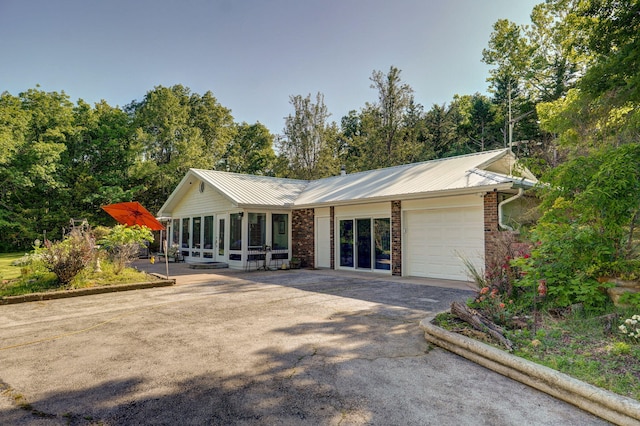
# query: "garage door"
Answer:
x=436 y=239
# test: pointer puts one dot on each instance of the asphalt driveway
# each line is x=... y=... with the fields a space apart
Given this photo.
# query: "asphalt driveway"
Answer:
x=261 y=348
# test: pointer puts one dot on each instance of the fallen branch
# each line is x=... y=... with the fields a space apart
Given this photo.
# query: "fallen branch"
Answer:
x=480 y=323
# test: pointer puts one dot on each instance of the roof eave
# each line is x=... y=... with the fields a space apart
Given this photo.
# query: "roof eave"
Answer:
x=417 y=195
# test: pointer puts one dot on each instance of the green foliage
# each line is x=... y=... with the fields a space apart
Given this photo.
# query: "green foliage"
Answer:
x=68 y=257
x=306 y=146
x=122 y=244
x=588 y=228
x=250 y=150
x=630 y=299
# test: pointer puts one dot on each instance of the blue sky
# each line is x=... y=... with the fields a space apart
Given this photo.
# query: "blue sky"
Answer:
x=251 y=54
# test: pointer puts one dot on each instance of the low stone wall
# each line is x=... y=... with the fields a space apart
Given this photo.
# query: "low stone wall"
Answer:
x=49 y=295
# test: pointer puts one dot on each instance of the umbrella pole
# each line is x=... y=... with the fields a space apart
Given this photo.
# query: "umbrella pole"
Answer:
x=166 y=258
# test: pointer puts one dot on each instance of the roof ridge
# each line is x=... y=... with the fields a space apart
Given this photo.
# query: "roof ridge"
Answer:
x=252 y=175
x=400 y=166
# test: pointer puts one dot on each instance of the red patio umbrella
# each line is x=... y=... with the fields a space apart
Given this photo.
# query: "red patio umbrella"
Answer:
x=132 y=213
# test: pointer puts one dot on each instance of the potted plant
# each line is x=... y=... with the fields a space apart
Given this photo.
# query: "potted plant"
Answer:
x=295 y=263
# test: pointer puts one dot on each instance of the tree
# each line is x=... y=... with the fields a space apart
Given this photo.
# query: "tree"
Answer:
x=305 y=143
x=442 y=124
x=480 y=123
x=215 y=123
x=35 y=127
x=604 y=107
x=175 y=131
x=612 y=28
x=249 y=151
x=394 y=100
x=97 y=160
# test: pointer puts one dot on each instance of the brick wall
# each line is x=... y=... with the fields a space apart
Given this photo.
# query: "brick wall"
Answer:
x=491 y=226
x=396 y=238
x=302 y=235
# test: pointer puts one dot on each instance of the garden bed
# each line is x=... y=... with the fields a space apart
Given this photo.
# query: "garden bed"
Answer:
x=585 y=360
x=61 y=294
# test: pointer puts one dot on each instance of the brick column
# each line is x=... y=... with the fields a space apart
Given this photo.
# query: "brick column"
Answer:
x=491 y=226
x=396 y=238
x=302 y=236
x=332 y=237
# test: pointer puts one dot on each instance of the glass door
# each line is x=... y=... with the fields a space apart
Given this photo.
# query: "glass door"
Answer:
x=196 y=237
x=207 y=241
x=222 y=254
x=346 y=243
x=363 y=228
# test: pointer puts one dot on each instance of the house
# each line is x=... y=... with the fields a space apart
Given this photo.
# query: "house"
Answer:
x=413 y=220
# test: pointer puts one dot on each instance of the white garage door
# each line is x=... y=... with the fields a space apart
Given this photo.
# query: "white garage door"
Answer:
x=435 y=240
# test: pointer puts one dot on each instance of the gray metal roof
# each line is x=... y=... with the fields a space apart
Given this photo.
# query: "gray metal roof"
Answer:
x=252 y=190
x=465 y=172
x=460 y=174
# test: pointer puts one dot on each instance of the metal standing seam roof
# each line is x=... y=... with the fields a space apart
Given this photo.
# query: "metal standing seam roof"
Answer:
x=252 y=190
x=447 y=174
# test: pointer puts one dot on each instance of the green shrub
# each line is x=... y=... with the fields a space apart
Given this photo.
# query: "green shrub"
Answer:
x=68 y=257
x=122 y=244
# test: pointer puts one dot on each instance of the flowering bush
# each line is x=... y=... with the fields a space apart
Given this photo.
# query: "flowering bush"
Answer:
x=631 y=327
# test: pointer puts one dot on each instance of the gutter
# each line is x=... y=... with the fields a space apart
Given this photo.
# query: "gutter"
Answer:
x=502 y=204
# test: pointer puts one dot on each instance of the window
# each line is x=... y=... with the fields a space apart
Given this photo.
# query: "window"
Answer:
x=208 y=233
x=280 y=231
x=382 y=236
x=235 y=231
x=257 y=231
x=221 y=238
x=175 y=232
x=185 y=236
x=197 y=227
x=346 y=243
x=185 y=232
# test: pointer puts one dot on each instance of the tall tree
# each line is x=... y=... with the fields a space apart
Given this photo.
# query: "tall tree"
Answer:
x=97 y=159
x=249 y=151
x=175 y=131
x=394 y=100
x=35 y=127
x=480 y=124
x=442 y=123
x=215 y=123
x=604 y=107
x=305 y=143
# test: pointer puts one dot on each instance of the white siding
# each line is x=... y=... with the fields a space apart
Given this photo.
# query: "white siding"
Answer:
x=323 y=242
x=195 y=202
x=364 y=210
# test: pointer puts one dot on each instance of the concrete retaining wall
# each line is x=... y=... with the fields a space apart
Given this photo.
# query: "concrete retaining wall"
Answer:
x=607 y=405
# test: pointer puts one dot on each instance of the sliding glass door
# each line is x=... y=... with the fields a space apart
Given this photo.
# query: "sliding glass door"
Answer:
x=365 y=243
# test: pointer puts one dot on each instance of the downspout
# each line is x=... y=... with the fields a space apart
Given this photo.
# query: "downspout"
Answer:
x=501 y=205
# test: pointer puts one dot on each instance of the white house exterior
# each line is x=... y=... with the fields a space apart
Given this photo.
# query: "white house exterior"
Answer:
x=413 y=220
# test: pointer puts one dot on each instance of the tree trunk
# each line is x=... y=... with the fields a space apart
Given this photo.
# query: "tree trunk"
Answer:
x=480 y=323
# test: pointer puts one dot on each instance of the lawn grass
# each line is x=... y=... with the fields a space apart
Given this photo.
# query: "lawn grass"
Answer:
x=7 y=270
x=20 y=280
x=588 y=348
